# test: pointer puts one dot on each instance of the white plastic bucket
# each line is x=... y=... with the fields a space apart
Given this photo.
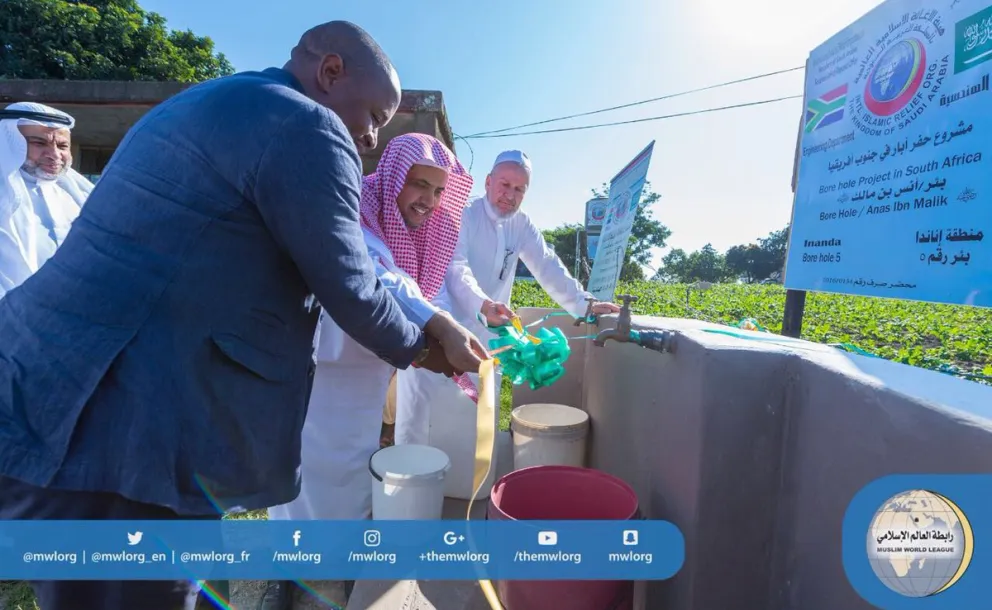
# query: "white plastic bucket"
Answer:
x=408 y=482
x=444 y=418
x=548 y=435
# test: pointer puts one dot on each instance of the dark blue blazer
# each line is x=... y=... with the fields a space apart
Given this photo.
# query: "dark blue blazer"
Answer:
x=162 y=353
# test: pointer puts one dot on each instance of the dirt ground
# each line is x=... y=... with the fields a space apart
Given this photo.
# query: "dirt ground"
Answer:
x=245 y=595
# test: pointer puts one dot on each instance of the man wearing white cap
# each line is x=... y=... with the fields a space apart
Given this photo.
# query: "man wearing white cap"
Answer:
x=495 y=233
x=40 y=193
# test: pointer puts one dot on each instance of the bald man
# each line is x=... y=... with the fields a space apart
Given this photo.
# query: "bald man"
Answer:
x=157 y=366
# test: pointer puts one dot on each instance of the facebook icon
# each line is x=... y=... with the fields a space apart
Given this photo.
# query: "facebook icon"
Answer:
x=296 y=538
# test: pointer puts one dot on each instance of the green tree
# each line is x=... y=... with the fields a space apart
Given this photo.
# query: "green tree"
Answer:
x=674 y=266
x=100 y=40
x=562 y=241
x=705 y=265
x=743 y=261
x=756 y=262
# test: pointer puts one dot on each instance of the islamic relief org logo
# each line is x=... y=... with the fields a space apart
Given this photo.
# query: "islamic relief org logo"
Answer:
x=920 y=543
x=896 y=77
x=901 y=75
x=598 y=211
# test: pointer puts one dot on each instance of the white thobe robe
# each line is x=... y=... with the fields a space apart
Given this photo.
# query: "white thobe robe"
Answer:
x=35 y=228
x=344 y=418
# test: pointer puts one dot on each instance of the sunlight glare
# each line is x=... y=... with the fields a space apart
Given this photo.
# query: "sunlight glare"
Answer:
x=783 y=26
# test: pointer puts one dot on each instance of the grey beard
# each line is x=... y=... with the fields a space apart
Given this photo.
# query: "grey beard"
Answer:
x=501 y=213
x=32 y=169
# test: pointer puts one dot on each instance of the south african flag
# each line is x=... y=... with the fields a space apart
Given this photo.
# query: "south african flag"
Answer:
x=826 y=109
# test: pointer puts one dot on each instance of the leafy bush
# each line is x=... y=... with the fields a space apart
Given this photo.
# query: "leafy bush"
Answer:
x=926 y=335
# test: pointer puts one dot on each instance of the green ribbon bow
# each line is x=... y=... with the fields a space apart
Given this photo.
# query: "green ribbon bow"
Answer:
x=523 y=360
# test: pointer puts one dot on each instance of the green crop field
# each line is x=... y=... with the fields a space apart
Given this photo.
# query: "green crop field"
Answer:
x=939 y=337
x=920 y=334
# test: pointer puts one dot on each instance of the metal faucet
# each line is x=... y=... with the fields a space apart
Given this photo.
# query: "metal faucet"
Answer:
x=621 y=333
x=590 y=301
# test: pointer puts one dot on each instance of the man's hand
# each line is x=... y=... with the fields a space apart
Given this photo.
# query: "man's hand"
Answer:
x=496 y=314
x=436 y=360
x=461 y=348
x=602 y=308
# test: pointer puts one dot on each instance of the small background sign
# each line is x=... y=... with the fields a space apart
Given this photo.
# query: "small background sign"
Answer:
x=625 y=195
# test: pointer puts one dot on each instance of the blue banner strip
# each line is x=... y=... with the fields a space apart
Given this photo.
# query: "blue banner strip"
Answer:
x=339 y=550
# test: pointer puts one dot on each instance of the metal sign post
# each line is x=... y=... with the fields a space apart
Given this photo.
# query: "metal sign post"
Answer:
x=795 y=300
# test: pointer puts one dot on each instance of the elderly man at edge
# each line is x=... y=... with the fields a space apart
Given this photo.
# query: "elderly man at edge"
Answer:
x=40 y=193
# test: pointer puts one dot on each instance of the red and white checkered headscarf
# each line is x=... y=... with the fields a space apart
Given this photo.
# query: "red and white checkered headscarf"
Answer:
x=423 y=253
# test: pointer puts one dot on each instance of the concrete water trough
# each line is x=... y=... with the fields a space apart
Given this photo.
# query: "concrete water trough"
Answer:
x=742 y=443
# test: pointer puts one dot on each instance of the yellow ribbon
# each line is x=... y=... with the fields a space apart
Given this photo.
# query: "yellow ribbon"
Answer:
x=485 y=442
x=518 y=325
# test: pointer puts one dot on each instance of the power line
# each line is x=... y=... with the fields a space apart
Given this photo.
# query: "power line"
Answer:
x=639 y=103
x=643 y=120
x=470 y=149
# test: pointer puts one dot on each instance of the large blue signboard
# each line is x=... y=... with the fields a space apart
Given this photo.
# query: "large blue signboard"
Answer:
x=894 y=190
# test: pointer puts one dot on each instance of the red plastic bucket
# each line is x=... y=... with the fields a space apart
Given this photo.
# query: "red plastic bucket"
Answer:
x=563 y=493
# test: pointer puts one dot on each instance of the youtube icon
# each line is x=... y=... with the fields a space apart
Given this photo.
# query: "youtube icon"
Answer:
x=547 y=538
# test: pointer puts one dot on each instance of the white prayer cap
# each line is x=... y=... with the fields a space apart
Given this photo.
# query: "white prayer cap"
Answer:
x=513 y=156
x=33 y=113
x=429 y=163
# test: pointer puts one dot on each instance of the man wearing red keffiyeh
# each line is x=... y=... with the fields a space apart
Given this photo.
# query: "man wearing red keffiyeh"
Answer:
x=411 y=211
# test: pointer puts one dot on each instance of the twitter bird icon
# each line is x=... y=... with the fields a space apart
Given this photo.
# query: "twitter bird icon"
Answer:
x=134 y=538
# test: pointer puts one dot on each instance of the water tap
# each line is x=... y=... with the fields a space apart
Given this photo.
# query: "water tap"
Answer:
x=657 y=340
x=590 y=301
x=622 y=332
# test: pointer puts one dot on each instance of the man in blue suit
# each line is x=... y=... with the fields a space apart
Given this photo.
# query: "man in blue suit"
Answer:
x=156 y=366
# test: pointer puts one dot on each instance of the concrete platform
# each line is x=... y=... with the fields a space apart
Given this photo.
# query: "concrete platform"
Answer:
x=320 y=595
x=418 y=595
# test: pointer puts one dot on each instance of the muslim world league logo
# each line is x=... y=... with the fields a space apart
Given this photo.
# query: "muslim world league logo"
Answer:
x=920 y=543
x=899 y=77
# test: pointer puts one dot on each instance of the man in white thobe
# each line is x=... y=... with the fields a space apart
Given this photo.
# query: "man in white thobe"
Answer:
x=411 y=209
x=40 y=193
x=495 y=233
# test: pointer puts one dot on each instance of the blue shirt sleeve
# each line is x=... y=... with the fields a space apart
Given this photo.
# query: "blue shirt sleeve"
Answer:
x=306 y=188
x=442 y=300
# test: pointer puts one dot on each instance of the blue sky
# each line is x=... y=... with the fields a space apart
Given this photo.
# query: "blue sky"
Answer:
x=724 y=177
